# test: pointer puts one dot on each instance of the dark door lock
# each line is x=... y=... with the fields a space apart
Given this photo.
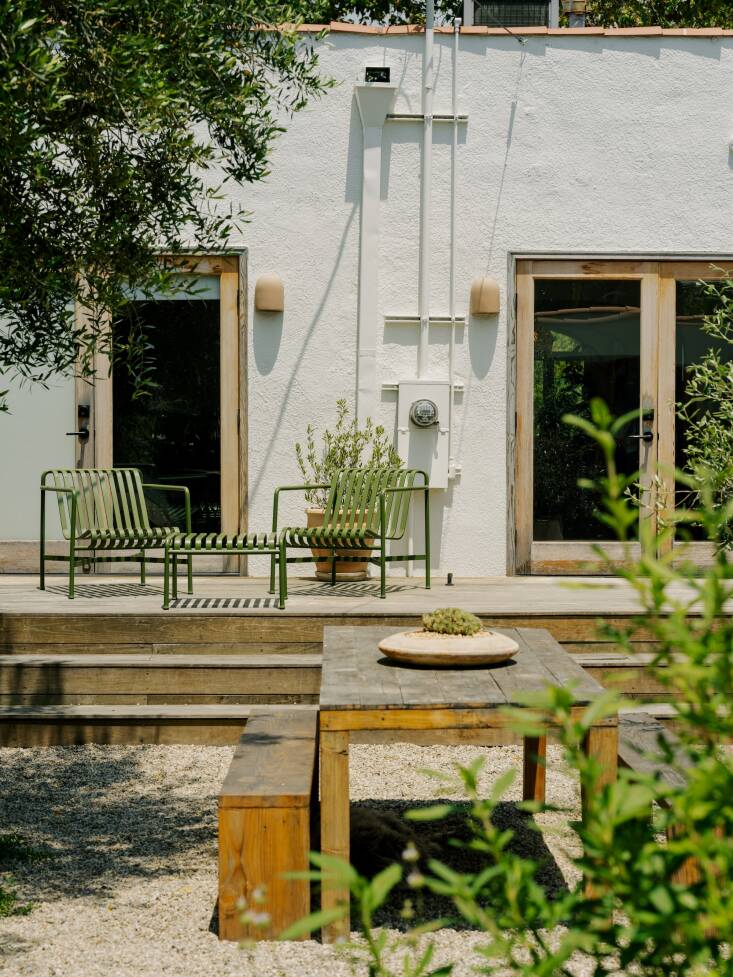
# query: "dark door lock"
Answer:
x=83 y=412
x=647 y=417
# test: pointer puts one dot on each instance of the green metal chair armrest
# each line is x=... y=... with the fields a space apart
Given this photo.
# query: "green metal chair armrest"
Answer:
x=175 y=488
x=63 y=490
x=60 y=488
x=290 y=488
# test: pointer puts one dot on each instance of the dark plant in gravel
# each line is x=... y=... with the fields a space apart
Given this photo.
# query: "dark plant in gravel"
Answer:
x=14 y=850
x=630 y=915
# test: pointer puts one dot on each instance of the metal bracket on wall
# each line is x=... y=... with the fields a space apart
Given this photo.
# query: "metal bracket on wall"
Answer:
x=419 y=117
x=458 y=388
x=414 y=320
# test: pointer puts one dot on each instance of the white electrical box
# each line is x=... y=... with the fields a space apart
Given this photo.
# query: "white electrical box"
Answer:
x=423 y=411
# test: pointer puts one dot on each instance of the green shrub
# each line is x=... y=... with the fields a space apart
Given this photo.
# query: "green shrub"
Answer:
x=451 y=620
x=629 y=915
x=349 y=445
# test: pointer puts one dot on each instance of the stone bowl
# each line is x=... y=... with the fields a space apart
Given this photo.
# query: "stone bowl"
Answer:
x=448 y=650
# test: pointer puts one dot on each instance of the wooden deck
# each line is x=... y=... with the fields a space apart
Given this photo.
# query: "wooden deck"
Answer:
x=231 y=596
x=112 y=657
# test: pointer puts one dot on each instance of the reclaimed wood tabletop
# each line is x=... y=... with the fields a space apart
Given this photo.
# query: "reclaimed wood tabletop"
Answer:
x=357 y=675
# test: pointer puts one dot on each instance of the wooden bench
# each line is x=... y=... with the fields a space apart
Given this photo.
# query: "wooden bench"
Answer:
x=265 y=824
x=639 y=736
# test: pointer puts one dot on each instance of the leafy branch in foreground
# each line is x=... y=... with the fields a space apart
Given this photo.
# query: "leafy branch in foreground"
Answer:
x=640 y=909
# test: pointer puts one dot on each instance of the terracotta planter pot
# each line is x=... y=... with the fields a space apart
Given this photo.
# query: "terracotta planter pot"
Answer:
x=344 y=571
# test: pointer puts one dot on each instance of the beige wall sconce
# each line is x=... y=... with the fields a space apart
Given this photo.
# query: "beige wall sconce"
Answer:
x=269 y=294
x=485 y=298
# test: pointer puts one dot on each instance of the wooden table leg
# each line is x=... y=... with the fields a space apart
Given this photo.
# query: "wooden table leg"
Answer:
x=535 y=752
x=601 y=742
x=335 y=820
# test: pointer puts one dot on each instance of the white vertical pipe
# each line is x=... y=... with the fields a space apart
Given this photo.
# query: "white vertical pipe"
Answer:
x=374 y=102
x=366 y=394
x=425 y=183
x=452 y=278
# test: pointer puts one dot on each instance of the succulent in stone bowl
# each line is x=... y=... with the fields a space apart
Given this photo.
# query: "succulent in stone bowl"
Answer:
x=451 y=620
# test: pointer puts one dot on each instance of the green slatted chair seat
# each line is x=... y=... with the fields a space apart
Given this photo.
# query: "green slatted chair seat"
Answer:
x=216 y=542
x=111 y=539
x=325 y=536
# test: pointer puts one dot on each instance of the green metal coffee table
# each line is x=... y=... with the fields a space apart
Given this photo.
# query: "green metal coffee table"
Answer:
x=215 y=544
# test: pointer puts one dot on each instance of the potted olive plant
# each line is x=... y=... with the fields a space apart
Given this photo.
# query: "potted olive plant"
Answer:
x=348 y=445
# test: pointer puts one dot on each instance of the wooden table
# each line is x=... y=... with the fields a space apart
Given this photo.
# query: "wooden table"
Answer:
x=364 y=695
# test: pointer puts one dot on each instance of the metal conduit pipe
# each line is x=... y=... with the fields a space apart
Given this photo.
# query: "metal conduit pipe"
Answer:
x=425 y=186
x=452 y=279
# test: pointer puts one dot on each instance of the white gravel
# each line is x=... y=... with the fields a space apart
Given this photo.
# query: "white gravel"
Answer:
x=130 y=886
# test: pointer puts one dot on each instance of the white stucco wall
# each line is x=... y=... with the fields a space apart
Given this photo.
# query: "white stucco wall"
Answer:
x=33 y=437
x=575 y=144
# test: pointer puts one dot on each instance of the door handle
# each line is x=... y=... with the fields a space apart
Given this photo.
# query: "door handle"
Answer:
x=83 y=435
x=646 y=436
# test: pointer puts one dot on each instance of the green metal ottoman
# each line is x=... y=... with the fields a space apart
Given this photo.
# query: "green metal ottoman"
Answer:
x=217 y=544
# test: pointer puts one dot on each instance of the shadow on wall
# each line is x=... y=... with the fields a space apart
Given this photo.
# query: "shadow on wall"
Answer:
x=267 y=334
x=483 y=332
x=270 y=353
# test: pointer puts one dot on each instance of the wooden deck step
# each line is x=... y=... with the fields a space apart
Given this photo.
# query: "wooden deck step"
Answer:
x=68 y=678
x=627 y=674
x=246 y=631
x=64 y=679
x=219 y=725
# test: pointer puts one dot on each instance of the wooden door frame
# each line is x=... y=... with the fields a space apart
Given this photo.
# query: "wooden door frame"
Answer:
x=670 y=273
x=231 y=269
x=658 y=277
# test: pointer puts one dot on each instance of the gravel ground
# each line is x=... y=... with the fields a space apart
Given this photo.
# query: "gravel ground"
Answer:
x=129 y=887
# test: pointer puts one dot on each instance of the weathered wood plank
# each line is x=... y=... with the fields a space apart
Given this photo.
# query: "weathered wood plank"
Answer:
x=559 y=664
x=335 y=819
x=273 y=763
x=640 y=747
x=159 y=675
x=264 y=825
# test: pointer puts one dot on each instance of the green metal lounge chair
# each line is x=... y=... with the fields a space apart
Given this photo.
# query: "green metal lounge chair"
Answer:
x=366 y=507
x=104 y=509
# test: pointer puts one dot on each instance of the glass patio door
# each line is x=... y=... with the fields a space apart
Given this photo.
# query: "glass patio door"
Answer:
x=172 y=432
x=584 y=331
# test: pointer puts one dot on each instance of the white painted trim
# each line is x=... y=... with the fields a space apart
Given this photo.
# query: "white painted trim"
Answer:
x=566 y=255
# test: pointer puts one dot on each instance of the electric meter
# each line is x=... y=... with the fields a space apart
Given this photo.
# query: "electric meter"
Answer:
x=424 y=413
